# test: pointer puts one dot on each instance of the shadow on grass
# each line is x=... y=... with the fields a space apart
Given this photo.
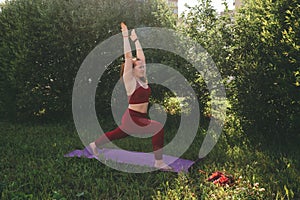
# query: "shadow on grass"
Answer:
x=33 y=166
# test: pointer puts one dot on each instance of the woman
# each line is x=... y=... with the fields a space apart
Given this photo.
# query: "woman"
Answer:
x=134 y=120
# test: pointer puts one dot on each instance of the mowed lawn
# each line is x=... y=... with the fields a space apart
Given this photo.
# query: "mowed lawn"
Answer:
x=33 y=166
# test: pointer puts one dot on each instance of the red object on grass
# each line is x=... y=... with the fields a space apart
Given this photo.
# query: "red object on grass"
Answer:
x=221 y=179
x=215 y=176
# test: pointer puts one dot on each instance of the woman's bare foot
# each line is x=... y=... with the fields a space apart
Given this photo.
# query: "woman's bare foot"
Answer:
x=160 y=164
x=94 y=148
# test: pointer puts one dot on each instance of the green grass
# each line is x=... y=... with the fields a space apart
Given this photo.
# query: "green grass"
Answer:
x=33 y=167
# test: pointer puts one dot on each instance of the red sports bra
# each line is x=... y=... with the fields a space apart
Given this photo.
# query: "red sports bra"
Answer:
x=140 y=94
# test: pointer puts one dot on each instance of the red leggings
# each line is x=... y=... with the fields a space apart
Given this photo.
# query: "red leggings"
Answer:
x=136 y=123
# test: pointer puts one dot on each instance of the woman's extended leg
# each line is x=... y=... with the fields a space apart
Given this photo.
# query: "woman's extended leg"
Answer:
x=115 y=134
x=136 y=123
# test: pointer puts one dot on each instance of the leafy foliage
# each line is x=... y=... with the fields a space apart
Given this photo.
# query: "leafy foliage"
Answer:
x=43 y=44
x=260 y=70
x=257 y=52
x=267 y=56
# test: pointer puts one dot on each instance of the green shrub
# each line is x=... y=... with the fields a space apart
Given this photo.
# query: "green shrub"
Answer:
x=43 y=44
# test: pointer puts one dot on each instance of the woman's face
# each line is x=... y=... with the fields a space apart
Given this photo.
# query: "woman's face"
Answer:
x=139 y=69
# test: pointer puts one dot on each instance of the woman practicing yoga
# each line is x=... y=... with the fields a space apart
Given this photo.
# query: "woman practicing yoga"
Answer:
x=134 y=120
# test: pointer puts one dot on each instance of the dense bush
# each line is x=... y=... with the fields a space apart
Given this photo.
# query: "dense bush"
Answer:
x=267 y=58
x=257 y=52
x=43 y=44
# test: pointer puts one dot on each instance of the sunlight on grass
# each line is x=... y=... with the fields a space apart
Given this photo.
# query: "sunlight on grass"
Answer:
x=33 y=167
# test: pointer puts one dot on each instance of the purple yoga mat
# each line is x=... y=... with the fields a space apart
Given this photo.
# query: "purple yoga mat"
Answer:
x=134 y=158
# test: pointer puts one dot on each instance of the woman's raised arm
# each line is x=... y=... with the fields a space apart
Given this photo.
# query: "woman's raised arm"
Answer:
x=138 y=47
x=128 y=77
x=139 y=50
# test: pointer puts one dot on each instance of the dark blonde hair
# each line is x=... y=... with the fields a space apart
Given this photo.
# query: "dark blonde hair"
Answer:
x=123 y=65
x=144 y=79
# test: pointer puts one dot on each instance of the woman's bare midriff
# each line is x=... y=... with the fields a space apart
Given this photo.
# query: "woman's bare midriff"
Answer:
x=141 y=107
